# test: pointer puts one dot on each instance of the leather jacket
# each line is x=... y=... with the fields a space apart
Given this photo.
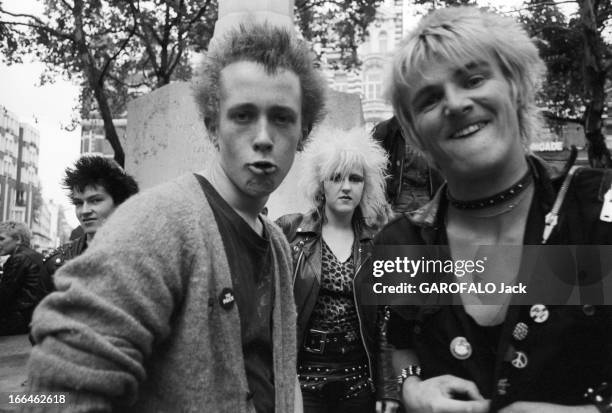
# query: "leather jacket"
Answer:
x=570 y=338
x=65 y=252
x=303 y=231
x=23 y=283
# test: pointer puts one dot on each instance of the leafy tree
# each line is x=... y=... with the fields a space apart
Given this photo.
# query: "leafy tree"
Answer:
x=435 y=4
x=121 y=48
x=8 y=42
x=338 y=25
x=579 y=60
x=165 y=32
x=77 y=39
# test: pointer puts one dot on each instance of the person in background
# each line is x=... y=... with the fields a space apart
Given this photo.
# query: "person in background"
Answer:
x=340 y=349
x=411 y=180
x=96 y=186
x=24 y=280
x=184 y=302
x=463 y=89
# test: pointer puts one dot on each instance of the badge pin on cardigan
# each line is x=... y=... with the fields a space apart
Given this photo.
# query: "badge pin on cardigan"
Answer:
x=226 y=299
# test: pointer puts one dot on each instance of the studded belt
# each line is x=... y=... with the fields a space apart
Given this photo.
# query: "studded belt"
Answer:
x=323 y=342
x=333 y=381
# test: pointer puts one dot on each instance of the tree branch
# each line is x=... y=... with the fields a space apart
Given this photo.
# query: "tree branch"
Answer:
x=176 y=61
x=104 y=71
x=198 y=15
x=68 y=5
x=146 y=26
x=144 y=38
x=533 y=6
x=177 y=48
x=54 y=32
x=123 y=83
x=567 y=29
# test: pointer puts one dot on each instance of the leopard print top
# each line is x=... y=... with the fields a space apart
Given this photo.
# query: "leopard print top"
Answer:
x=335 y=309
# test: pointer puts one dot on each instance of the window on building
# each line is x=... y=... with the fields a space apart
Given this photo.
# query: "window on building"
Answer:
x=98 y=145
x=340 y=82
x=382 y=42
x=85 y=145
x=373 y=85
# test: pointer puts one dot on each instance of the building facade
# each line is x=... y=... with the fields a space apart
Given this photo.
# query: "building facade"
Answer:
x=19 y=183
x=44 y=233
x=20 y=192
x=393 y=18
x=93 y=138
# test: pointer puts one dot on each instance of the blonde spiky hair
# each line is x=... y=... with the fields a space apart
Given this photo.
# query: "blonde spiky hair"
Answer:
x=456 y=35
x=338 y=152
x=16 y=230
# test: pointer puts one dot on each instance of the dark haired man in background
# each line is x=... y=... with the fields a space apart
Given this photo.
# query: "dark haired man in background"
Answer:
x=97 y=186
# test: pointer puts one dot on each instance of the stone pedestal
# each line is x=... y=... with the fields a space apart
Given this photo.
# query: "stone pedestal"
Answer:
x=234 y=12
x=166 y=138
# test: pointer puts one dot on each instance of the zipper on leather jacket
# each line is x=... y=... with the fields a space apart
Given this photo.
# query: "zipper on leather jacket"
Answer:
x=297 y=266
x=361 y=265
x=552 y=217
x=365 y=347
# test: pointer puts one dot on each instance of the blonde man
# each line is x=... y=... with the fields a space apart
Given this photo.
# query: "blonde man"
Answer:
x=24 y=280
x=463 y=89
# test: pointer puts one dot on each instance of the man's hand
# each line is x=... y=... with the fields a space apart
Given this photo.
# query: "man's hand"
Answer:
x=386 y=406
x=440 y=395
x=534 y=407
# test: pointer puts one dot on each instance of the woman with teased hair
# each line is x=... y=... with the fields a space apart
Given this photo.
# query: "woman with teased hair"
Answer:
x=343 y=178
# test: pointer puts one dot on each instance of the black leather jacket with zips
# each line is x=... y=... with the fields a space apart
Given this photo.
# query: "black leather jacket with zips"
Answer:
x=303 y=231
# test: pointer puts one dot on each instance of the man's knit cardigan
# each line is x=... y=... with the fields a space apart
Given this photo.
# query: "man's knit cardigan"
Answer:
x=137 y=322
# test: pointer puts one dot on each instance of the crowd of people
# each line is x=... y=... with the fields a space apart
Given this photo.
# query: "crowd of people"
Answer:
x=191 y=299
